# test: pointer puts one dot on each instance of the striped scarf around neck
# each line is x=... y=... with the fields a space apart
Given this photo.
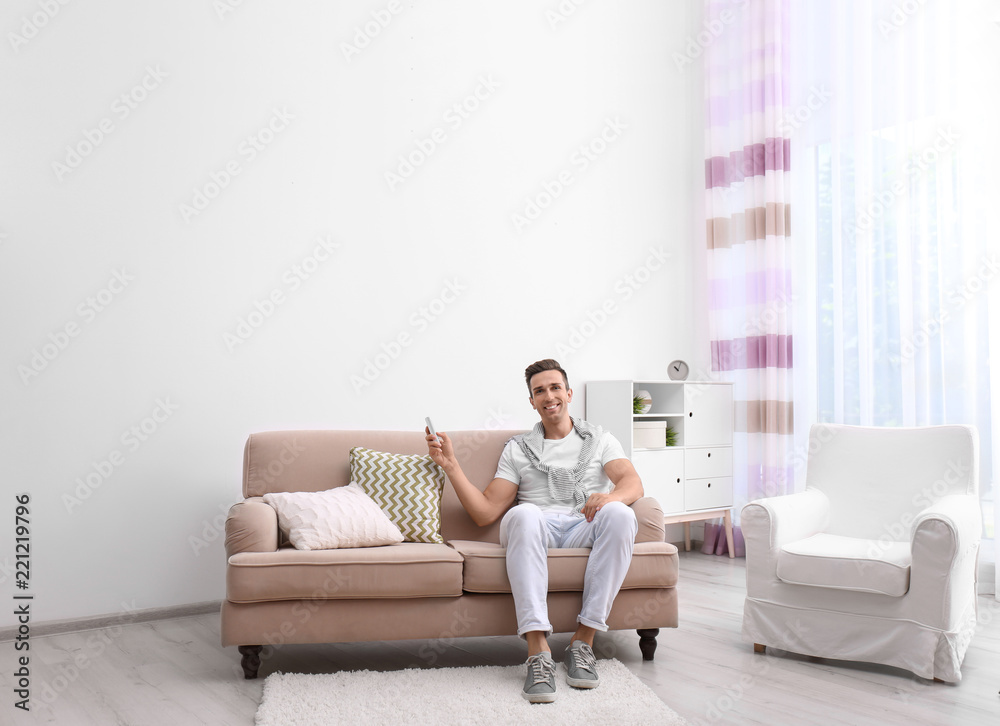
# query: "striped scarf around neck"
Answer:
x=565 y=485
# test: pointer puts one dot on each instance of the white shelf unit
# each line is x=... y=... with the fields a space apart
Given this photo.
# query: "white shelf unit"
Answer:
x=694 y=479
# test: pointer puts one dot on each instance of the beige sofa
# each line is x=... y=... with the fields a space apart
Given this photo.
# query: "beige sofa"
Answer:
x=276 y=594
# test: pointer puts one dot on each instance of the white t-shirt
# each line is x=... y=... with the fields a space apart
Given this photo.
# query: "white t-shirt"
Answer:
x=533 y=485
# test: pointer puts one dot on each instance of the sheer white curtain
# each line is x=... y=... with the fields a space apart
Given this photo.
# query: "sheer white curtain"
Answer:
x=893 y=128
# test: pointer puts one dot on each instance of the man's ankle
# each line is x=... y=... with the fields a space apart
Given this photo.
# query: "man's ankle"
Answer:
x=584 y=636
x=537 y=643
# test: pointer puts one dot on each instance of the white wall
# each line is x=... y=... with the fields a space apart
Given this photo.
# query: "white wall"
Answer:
x=85 y=359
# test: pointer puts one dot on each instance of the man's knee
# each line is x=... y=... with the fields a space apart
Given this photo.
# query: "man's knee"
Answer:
x=617 y=510
x=618 y=516
x=525 y=513
x=522 y=519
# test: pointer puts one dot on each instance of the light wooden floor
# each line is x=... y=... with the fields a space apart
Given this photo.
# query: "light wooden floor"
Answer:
x=175 y=673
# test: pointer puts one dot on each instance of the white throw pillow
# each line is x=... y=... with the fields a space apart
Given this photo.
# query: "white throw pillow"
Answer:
x=337 y=518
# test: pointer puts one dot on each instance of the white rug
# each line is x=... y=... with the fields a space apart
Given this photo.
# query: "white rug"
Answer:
x=488 y=695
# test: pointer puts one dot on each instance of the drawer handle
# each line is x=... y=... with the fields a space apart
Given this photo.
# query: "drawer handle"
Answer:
x=710 y=485
x=678 y=480
x=709 y=454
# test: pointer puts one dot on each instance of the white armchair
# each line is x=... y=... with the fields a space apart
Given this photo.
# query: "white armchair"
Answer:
x=876 y=560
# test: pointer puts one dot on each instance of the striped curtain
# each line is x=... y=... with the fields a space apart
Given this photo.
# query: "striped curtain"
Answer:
x=749 y=259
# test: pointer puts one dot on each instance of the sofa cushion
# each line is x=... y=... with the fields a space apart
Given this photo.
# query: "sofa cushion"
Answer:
x=654 y=564
x=846 y=563
x=338 y=517
x=408 y=488
x=403 y=570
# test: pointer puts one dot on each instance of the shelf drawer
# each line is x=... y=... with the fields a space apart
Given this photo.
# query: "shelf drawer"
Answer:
x=708 y=493
x=703 y=463
x=662 y=475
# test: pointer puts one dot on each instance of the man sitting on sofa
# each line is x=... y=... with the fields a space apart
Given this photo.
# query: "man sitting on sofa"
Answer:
x=574 y=486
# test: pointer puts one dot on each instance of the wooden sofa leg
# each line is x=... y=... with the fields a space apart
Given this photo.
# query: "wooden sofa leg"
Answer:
x=758 y=648
x=251 y=660
x=647 y=642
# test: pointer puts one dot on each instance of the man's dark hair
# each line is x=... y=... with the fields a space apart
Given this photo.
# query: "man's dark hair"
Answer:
x=543 y=365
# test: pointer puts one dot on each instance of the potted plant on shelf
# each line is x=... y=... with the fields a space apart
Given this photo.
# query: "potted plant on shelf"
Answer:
x=641 y=402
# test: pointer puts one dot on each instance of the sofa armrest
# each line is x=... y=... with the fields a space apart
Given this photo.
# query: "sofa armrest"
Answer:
x=252 y=526
x=649 y=514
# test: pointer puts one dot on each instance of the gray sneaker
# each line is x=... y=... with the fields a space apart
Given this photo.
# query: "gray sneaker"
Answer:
x=540 y=684
x=581 y=666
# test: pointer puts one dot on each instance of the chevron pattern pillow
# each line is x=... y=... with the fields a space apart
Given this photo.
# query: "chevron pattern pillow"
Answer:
x=408 y=487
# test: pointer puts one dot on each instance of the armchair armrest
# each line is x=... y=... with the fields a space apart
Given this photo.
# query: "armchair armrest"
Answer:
x=774 y=521
x=252 y=526
x=944 y=548
x=960 y=515
x=649 y=514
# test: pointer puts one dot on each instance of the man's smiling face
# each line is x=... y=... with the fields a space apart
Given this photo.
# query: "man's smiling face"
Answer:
x=550 y=396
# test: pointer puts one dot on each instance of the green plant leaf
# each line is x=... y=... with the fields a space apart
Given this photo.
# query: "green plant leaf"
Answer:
x=671 y=436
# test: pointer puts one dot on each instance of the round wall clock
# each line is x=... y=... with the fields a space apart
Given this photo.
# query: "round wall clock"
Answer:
x=678 y=370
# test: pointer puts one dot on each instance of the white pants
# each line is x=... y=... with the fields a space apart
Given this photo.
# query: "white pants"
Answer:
x=527 y=532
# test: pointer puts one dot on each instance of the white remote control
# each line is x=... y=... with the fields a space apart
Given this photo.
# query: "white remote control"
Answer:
x=430 y=427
